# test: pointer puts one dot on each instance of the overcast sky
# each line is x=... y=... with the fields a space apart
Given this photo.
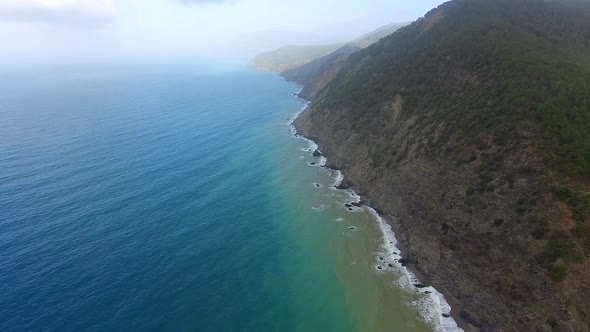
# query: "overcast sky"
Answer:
x=161 y=28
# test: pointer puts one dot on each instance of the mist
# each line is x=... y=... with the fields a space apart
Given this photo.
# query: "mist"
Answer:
x=72 y=29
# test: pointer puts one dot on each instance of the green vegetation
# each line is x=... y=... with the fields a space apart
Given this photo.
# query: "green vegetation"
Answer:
x=558 y=272
x=305 y=73
x=491 y=101
x=582 y=232
x=512 y=69
x=482 y=81
x=374 y=36
x=559 y=247
x=554 y=324
x=577 y=200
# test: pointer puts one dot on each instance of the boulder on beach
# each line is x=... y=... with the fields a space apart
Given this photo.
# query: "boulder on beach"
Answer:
x=404 y=261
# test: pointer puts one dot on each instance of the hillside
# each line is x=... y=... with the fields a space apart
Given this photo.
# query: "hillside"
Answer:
x=304 y=74
x=292 y=56
x=470 y=131
x=375 y=35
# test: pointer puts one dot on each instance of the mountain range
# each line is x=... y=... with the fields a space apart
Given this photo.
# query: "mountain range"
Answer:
x=469 y=130
x=299 y=62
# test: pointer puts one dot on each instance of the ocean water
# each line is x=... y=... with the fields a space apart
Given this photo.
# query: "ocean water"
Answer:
x=163 y=197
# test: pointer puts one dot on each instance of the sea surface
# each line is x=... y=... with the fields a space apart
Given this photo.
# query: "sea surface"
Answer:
x=175 y=197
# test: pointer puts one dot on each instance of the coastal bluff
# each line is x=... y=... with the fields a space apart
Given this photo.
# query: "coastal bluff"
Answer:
x=468 y=130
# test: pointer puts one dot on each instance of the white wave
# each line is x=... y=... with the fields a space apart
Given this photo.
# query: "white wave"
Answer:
x=296 y=114
x=312 y=145
x=319 y=208
x=354 y=197
x=435 y=305
x=339 y=178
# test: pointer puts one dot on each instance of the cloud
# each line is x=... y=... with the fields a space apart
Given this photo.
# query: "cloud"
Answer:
x=194 y=2
x=84 y=12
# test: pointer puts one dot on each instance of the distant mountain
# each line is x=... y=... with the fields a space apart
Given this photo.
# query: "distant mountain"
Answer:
x=305 y=73
x=292 y=56
x=470 y=131
x=375 y=35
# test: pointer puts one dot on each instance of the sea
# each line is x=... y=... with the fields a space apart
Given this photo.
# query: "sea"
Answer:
x=176 y=196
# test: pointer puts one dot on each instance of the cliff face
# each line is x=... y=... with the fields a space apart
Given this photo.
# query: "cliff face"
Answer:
x=323 y=76
x=469 y=131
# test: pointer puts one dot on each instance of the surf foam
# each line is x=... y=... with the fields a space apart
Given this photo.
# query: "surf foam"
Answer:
x=433 y=307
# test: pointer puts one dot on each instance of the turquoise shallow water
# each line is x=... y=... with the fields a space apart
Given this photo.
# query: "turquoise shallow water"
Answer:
x=158 y=197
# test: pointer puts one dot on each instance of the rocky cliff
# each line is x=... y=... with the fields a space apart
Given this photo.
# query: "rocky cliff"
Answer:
x=470 y=131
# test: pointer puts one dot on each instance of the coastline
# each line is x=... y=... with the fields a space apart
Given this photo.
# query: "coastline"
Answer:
x=437 y=311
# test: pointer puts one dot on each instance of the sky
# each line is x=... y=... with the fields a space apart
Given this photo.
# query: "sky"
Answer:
x=185 y=28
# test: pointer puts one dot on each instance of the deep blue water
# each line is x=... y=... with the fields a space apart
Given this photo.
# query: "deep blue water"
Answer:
x=145 y=198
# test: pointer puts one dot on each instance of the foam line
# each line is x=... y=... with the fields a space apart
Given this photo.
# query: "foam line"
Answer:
x=434 y=308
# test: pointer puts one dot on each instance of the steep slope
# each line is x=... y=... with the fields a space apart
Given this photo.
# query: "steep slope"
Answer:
x=292 y=56
x=304 y=74
x=470 y=131
x=375 y=35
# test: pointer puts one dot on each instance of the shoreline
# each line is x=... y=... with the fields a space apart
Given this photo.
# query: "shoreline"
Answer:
x=438 y=312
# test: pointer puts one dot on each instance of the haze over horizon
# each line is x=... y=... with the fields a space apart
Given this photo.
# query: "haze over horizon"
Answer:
x=67 y=29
